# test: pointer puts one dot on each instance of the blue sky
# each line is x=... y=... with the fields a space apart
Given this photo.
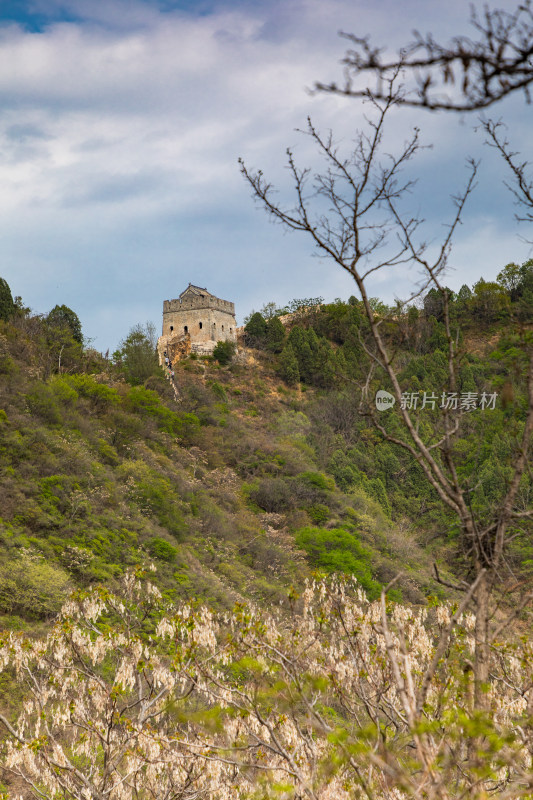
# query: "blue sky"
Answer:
x=121 y=122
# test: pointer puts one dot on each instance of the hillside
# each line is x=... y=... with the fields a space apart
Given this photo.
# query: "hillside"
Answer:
x=98 y=475
x=247 y=483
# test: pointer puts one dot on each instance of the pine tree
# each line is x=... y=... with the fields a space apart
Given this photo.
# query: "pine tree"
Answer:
x=7 y=306
x=275 y=335
x=288 y=366
x=255 y=330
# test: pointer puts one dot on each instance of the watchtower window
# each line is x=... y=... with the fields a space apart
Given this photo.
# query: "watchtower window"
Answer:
x=200 y=325
x=231 y=330
x=222 y=327
x=172 y=327
x=185 y=329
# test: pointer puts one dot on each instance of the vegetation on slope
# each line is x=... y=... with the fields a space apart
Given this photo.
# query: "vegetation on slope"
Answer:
x=254 y=478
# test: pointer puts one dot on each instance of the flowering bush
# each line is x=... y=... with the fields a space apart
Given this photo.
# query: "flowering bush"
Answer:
x=331 y=698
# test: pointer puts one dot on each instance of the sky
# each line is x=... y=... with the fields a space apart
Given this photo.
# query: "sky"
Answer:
x=121 y=125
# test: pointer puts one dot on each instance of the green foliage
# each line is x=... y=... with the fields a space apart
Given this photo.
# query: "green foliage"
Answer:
x=224 y=352
x=275 y=335
x=317 y=480
x=154 y=496
x=489 y=301
x=31 y=587
x=510 y=278
x=288 y=366
x=136 y=354
x=434 y=303
x=43 y=402
x=273 y=494
x=161 y=549
x=147 y=404
x=338 y=550
x=255 y=329
x=101 y=396
x=65 y=318
x=319 y=513
x=299 y=305
x=7 y=306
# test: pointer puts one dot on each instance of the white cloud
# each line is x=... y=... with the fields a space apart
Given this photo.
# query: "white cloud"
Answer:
x=119 y=135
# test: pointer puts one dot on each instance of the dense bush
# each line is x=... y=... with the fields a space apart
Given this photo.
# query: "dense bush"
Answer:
x=339 y=550
x=32 y=588
x=273 y=494
x=224 y=352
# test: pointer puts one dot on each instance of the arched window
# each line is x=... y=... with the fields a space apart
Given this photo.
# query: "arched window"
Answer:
x=200 y=325
x=185 y=329
x=222 y=327
x=172 y=327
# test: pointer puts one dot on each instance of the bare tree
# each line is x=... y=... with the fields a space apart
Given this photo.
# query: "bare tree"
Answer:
x=463 y=75
x=521 y=186
x=353 y=211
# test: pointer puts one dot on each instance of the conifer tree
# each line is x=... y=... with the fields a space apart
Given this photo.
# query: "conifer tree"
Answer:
x=7 y=306
x=288 y=366
x=275 y=334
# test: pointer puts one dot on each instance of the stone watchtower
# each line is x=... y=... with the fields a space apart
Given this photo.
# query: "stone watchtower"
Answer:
x=195 y=322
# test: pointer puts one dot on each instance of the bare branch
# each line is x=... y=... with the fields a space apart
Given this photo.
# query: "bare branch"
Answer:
x=463 y=75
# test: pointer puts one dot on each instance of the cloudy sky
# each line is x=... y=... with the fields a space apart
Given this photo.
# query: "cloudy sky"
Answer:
x=121 y=122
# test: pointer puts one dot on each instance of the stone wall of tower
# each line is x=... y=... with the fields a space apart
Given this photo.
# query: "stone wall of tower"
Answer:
x=198 y=302
x=203 y=324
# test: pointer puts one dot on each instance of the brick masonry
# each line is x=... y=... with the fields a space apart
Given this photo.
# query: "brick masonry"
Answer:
x=196 y=321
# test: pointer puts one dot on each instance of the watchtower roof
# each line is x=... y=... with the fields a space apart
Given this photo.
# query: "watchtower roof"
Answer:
x=196 y=290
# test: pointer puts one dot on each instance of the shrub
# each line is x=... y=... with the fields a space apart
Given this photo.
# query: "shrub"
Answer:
x=161 y=549
x=319 y=513
x=338 y=550
x=32 y=588
x=43 y=402
x=273 y=494
x=224 y=352
x=100 y=395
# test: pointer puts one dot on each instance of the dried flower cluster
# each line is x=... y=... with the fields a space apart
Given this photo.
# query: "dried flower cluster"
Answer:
x=332 y=698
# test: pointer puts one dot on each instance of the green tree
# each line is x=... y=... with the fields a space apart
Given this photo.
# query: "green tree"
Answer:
x=434 y=303
x=7 y=306
x=65 y=318
x=509 y=278
x=224 y=352
x=255 y=330
x=275 y=334
x=288 y=366
x=464 y=297
x=525 y=303
x=325 y=365
x=300 y=341
x=269 y=310
x=136 y=354
x=489 y=301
